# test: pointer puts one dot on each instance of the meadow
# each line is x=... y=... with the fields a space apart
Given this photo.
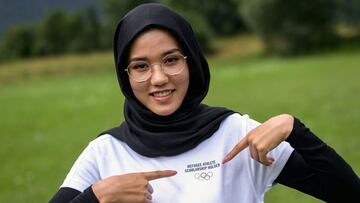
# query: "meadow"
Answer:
x=48 y=117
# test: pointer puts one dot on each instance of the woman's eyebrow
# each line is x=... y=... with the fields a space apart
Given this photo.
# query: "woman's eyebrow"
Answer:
x=141 y=58
x=171 y=51
x=137 y=59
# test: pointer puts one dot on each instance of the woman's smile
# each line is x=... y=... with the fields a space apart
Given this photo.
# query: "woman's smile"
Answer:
x=162 y=93
x=163 y=97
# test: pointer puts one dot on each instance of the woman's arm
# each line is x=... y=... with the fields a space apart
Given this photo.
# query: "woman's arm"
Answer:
x=316 y=169
x=313 y=168
x=131 y=187
x=69 y=195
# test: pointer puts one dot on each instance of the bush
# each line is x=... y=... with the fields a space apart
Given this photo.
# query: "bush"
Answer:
x=349 y=12
x=62 y=33
x=85 y=32
x=54 y=33
x=291 y=27
x=18 y=42
x=221 y=15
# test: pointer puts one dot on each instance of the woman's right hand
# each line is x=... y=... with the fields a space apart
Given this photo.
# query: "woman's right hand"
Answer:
x=264 y=138
x=128 y=188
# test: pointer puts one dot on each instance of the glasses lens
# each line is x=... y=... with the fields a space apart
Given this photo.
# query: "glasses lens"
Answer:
x=173 y=64
x=139 y=71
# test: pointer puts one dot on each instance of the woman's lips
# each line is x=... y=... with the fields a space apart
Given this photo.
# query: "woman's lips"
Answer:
x=162 y=93
x=162 y=96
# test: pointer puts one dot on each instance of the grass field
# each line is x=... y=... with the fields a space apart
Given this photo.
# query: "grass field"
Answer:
x=45 y=122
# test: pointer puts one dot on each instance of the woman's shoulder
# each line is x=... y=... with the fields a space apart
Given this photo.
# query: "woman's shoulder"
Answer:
x=237 y=119
x=105 y=142
x=237 y=125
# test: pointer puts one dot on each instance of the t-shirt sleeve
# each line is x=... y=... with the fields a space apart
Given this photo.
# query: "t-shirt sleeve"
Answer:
x=264 y=176
x=84 y=172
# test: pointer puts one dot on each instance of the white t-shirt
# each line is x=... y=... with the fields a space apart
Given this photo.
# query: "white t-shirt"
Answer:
x=201 y=177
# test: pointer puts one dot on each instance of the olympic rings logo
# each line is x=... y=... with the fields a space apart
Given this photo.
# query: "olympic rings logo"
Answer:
x=203 y=175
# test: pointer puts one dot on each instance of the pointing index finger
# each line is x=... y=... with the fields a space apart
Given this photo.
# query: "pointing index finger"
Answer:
x=238 y=148
x=153 y=175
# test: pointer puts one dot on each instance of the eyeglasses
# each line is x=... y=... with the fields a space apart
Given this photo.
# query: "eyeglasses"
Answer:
x=172 y=64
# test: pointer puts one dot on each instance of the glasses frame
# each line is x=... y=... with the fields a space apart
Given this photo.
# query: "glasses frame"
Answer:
x=161 y=66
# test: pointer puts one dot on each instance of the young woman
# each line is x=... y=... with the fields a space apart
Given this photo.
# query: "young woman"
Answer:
x=172 y=148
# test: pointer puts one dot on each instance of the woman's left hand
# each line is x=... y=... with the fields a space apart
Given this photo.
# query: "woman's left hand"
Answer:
x=264 y=138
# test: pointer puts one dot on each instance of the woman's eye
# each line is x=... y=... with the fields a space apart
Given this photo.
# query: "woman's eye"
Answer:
x=140 y=66
x=171 y=60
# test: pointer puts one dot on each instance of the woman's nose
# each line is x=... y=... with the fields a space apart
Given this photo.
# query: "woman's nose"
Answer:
x=158 y=77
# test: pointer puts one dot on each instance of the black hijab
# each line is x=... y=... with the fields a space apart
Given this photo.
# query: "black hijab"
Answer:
x=143 y=131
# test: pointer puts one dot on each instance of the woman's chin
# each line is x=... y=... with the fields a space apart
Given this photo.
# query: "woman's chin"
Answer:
x=163 y=111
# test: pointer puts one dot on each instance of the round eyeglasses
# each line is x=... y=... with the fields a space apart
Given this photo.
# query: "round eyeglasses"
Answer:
x=171 y=64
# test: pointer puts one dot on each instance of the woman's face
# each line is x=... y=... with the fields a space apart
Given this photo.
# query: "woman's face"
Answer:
x=161 y=93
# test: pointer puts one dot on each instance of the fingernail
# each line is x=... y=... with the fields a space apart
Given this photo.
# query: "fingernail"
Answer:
x=225 y=160
x=172 y=172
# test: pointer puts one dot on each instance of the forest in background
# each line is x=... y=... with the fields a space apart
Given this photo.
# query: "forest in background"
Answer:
x=286 y=27
x=49 y=99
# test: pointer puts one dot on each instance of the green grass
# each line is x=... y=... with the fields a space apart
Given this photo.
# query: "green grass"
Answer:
x=46 y=122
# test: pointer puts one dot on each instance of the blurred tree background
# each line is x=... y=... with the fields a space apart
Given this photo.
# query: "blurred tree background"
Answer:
x=58 y=88
x=292 y=27
x=286 y=27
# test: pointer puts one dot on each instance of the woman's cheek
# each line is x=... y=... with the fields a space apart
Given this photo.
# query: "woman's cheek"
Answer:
x=138 y=87
x=183 y=77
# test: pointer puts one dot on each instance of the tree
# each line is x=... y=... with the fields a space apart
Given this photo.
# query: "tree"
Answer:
x=62 y=32
x=291 y=27
x=349 y=12
x=54 y=34
x=349 y=21
x=59 y=33
x=18 y=42
x=92 y=30
x=222 y=15
x=85 y=32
